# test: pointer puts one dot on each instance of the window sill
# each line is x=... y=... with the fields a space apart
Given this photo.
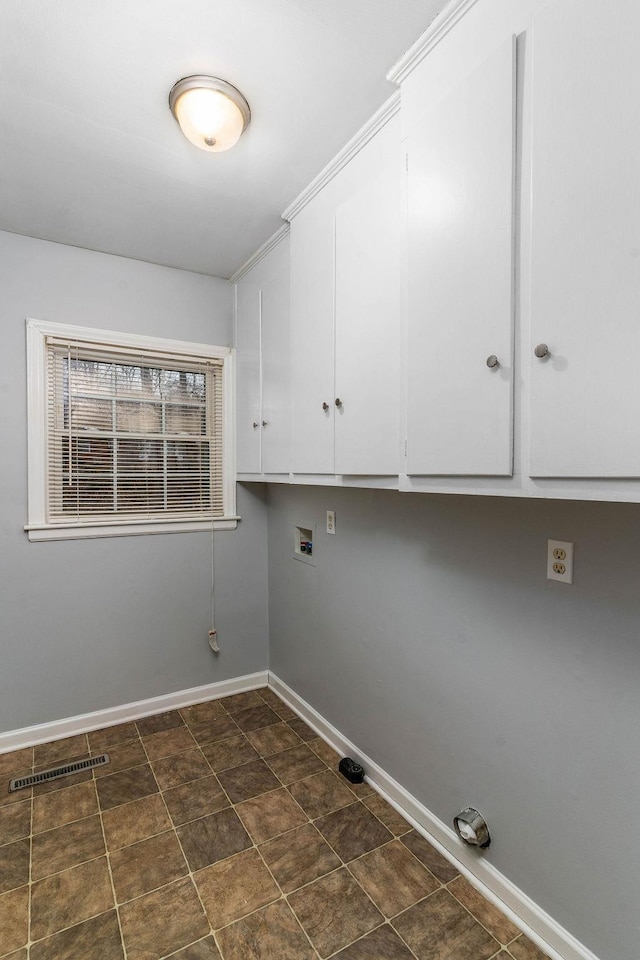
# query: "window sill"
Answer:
x=131 y=528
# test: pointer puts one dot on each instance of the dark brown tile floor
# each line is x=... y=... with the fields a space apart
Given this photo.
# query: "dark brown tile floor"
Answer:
x=224 y=832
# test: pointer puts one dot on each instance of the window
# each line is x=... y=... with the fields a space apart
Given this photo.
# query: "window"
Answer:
x=127 y=434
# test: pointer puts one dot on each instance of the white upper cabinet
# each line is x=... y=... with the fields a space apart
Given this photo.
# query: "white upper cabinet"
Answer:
x=585 y=284
x=345 y=313
x=248 y=403
x=367 y=335
x=263 y=416
x=499 y=208
x=460 y=273
x=276 y=383
x=312 y=301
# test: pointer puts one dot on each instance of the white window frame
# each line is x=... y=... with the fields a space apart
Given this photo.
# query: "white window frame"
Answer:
x=39 y=527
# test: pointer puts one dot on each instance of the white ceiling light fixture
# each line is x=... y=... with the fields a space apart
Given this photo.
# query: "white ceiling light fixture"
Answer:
x=212 y=113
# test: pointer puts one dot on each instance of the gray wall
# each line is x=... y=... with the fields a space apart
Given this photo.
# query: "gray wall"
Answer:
x=89 y=624
x=429 y=635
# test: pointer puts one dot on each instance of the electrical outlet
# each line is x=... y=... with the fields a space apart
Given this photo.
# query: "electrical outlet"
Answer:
x=560 y=561
x=331 y=521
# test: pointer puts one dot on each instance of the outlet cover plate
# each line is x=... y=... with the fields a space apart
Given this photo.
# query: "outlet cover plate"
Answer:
x=560 y=561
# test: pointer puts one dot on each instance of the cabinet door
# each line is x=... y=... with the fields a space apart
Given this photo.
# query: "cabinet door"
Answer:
x=460 y=283
x=276 y=384
x=312 y=382
x=248 y=378
x=367 y=317
x=585 y=395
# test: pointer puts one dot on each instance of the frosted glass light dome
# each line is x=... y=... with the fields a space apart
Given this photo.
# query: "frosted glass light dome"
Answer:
x=212 y=113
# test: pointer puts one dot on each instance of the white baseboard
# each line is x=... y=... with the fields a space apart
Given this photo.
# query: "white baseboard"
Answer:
x=535 y=922
x=85 y=722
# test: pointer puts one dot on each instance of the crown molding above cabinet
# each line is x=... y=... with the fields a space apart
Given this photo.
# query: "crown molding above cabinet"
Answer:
x=352 y=148
x=435 y=32
x=261 y=253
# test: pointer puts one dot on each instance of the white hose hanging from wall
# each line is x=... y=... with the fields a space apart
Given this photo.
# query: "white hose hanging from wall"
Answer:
x=213 y=633
x=211 y=396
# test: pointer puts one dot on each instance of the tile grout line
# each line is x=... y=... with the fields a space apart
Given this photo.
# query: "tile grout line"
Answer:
x=168 y=956
x=32 y=798
x=232 y=805
x=108 y=856
x=100 y=812
x=33 y=836
x=445 y=886
x=106 y=848
x=343 y=864
x=254 y=845
x=78 y=922
x=94 y=780
x=60 y=826
x=190 y=873
x=385 y=919
x=441 y=886
x=177 y=836
x=477 y=919
x=364 y=935
x=283 y=896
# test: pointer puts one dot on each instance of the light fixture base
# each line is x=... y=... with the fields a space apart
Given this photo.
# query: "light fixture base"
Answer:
x=205 y=123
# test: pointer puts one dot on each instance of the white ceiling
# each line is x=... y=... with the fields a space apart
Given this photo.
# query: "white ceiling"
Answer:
x=91 y=156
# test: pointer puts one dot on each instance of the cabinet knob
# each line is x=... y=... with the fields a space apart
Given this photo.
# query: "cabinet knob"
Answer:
x=492 y=361
x=541 y=351
x=255 y=424
x=325 y=406
x=338 y=402
x=264 y=423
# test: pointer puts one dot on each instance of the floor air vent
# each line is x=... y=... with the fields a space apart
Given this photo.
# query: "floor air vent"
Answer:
x=46 y=775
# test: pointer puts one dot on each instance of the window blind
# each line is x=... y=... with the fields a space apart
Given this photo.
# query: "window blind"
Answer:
x=132 y=435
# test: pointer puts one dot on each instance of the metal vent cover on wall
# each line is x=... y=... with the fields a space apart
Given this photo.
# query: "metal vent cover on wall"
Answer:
x=54 y=772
